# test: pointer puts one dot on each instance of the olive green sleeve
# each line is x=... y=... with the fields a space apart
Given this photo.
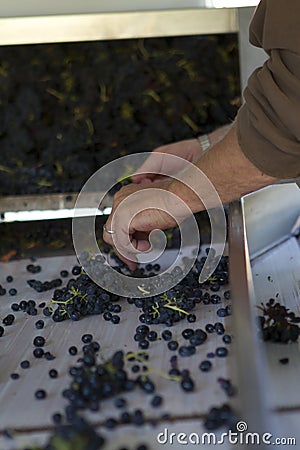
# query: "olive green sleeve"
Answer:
x=268 y=123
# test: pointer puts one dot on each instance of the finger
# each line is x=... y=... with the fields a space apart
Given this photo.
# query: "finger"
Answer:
x=141 y=235
x=125 y=244
x=141 y=180
x=142 y=245
x=108 y=238
x=157 y=177
x=143 y=177
x=131 y=263
x=127 y=255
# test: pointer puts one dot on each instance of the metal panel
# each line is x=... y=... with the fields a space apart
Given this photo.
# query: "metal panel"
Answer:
x=265 y=263
x=250 y=372
x=51 y=206
x=276 y=274
x=16 y=203
x=270 y=215
x=16 y=346
x=124 y=25
x=15 y=8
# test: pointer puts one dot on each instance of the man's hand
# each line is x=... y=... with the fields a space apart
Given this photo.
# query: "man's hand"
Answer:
x=138 y=210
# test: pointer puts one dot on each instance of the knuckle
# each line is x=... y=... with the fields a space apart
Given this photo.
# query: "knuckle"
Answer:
x=121 y=193
x=116 y=196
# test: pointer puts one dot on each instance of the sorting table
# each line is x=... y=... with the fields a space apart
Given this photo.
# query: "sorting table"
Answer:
x=31 y=419
x=264 y=263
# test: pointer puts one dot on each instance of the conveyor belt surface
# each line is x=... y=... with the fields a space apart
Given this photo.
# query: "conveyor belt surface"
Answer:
x=30 y=417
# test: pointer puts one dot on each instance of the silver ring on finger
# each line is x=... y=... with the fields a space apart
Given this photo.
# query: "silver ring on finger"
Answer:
x=108 y=231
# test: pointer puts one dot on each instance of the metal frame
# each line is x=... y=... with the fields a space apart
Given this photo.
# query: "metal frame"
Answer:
x=123 y=25
x=270 y=215
x=249 y=370
x=258 y=223
x=51 y=206
x=31 y=22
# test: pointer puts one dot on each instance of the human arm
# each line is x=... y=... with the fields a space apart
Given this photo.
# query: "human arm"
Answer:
x=231 y=173
x=189 y=150
x=263 y=145
x=268 y=122
x=229 y=170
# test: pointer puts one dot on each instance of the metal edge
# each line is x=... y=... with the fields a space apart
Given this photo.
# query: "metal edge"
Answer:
x=270 y=215
x=121 y=25
x=53 y=202
x=249 y=372
x=15 y=8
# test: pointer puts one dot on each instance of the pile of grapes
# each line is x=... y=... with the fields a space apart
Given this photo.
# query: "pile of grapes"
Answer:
x=68 y=109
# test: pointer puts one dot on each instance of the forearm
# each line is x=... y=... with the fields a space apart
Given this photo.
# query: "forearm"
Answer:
x=230 y=172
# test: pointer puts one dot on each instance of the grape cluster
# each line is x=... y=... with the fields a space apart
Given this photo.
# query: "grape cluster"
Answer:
x=42 y=286
x=218 y=417
x=79 y=434
x=278 y=323
x=93 y=382
x=82 y=297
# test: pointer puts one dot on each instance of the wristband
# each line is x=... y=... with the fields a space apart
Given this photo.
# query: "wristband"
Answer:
x=204 y=141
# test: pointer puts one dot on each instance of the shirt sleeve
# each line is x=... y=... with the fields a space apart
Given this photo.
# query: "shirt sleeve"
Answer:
x=268 y=124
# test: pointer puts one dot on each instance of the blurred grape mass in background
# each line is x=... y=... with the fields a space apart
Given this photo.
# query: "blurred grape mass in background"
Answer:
x=67 y=109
